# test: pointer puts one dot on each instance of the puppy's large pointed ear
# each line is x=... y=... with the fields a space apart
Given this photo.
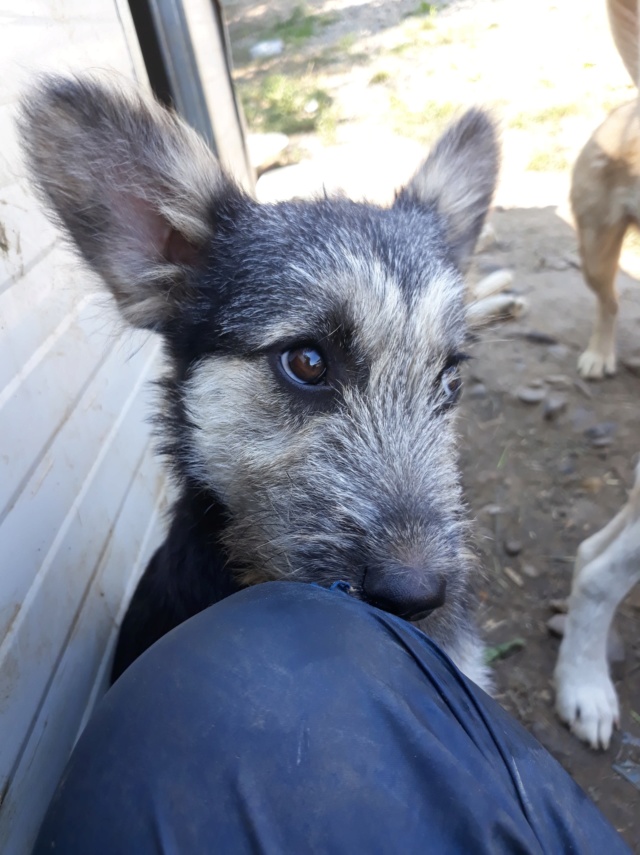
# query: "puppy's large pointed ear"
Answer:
x=133 y=187
x=458 y=180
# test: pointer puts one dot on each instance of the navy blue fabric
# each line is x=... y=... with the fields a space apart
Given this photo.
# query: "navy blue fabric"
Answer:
x=293 y=719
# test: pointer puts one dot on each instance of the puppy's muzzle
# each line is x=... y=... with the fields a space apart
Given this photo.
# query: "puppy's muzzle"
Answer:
x=405 y=591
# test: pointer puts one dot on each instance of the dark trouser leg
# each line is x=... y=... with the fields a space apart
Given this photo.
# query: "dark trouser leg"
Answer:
x=292 y=719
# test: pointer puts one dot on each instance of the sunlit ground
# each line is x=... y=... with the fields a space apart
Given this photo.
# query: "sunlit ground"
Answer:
x=358 y=78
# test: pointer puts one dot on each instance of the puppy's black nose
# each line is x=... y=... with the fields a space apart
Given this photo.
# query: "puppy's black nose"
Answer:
x=405 y=591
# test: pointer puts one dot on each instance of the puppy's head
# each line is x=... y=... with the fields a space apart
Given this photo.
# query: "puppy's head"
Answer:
x=315 y=345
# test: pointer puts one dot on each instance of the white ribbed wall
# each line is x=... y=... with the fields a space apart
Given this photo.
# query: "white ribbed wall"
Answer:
x=80 y=495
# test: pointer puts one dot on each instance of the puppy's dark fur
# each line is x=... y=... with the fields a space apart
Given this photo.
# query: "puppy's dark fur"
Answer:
x=353 y=477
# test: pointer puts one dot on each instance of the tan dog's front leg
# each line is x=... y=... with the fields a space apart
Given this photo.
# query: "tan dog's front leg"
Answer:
x=607 y=567
x=600 y=251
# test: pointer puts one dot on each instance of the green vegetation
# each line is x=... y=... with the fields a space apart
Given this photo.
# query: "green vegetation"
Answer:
x=278 y=103
x=552 y=114
x=401 y=49
x=346 y=42
x=379 y=77
x=549 y=160
x=423 y=124
x=448 y=37
x=502 y=651
x=299 y=26
x=429 y=9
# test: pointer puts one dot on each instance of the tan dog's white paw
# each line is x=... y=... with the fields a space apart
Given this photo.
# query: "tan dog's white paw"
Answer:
x=588 y=704
x=594 y=365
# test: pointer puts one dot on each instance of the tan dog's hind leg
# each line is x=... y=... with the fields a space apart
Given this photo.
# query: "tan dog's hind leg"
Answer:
x=607 y=567
x=600 y=251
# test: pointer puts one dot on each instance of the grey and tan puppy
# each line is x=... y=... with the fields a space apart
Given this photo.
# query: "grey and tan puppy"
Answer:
x=309 y=412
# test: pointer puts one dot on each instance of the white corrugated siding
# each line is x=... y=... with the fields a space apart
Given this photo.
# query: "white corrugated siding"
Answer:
x=80 y=495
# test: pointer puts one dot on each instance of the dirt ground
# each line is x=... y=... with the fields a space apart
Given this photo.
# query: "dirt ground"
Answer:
x=361 y=87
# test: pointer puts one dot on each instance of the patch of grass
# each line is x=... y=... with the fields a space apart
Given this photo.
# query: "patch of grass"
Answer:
x=346 y=42
x=520 y=121
x=552 y=114
x=299 y=26
x=279 y=103
x=502 y=651
x=446 y=38
x=379 y=77
x=423 y=8
x=326 y=126
x=401 y=49
x=423 y=124
x=551 y=160
x=555 y=112
x=334 y=55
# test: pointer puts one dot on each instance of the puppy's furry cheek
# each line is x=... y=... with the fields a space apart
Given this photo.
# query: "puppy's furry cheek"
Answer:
x=241 y=426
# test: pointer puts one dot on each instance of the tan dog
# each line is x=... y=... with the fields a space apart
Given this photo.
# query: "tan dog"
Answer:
x=605 y=197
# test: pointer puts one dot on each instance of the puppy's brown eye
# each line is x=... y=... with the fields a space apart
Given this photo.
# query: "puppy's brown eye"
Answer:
x=451 y=383
x=451 y=379
x=304 y=365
